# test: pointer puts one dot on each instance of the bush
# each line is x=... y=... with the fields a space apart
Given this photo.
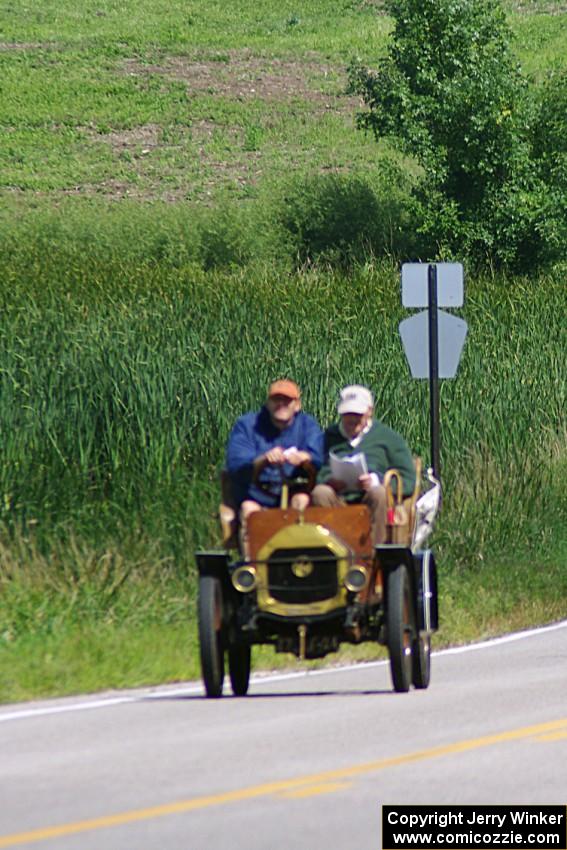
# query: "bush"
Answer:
x=342 y=219
x=451 y=94
x=550 y=154
x=225 y=239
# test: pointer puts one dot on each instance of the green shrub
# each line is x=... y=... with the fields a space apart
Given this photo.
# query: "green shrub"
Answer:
x=343 y=219
x=452 y=96
x=225 y=239
x=550 y=153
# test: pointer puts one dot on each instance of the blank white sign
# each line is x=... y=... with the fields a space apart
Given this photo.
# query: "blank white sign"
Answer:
x=451 y=331
x=415 y=284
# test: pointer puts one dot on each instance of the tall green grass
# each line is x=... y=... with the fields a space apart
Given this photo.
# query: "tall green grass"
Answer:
x=120 y=381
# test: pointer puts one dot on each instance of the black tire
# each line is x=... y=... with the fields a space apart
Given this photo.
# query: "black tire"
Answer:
x=239 y=669
x=210 y=635
x=421 y=661
x=399 y=628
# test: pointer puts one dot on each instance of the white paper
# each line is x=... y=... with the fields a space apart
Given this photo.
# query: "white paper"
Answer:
x=348 y=469
x=290 y=451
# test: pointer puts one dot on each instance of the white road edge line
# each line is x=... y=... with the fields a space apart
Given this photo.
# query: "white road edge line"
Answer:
x=259 y=679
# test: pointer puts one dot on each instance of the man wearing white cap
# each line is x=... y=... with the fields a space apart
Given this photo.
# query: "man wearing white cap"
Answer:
x=383 y=449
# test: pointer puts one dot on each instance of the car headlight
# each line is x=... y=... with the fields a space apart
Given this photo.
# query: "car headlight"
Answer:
x=356 y=578
x=244 y=579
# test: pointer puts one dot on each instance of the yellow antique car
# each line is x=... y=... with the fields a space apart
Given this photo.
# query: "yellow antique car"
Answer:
x=312 y=581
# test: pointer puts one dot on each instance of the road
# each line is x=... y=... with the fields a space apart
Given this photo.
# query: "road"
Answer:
x=305 y=761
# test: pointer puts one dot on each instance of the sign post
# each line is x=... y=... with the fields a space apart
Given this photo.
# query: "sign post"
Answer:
x=433 y=339
x=433 y=369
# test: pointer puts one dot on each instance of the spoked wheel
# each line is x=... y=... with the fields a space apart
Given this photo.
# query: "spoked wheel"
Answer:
x=400 y=629
x=210 y=635
x=421 y=661
x=239 y=669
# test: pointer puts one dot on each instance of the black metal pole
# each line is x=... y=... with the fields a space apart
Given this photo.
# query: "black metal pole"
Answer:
x=434 y=369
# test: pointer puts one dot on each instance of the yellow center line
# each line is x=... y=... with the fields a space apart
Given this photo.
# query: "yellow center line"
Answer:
x=314 y=790
x=553 y=736
x=269 y=788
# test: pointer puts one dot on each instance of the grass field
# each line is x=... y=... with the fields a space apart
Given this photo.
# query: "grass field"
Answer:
x=114 y=101
x=156 y=173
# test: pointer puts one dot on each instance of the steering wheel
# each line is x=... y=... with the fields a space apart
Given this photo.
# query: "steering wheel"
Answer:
x=302 y=481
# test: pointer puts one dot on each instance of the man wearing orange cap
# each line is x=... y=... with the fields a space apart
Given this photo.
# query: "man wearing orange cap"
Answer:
x=278 y=439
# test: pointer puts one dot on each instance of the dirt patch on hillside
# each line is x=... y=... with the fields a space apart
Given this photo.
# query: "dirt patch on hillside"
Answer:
x=24 y=45
x=194 y=159
x=146 y=137
x=241 y=76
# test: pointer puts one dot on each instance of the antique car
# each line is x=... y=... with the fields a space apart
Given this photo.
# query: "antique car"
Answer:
x=312 y=580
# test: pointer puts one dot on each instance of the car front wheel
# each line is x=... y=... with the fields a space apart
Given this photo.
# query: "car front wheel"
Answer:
x=210 y=635
x=399 y=628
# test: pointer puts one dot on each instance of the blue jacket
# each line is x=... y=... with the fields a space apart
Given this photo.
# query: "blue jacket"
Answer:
x=252 y=435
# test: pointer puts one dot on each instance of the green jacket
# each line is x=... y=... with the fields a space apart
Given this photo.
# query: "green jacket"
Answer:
x=384 y=449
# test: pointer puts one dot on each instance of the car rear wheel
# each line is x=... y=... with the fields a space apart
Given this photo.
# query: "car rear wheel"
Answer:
x=239 y=669
x=399 y=628
x=421 y=661
x=210 y=635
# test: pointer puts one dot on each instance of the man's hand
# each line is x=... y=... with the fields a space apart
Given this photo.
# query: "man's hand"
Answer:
x=295 y=457
x=368 y=481
x=275 y=456
x=278 y=456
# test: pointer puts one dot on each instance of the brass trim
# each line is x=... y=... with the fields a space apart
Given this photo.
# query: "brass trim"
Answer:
x=302 y=629
x=391 y=501
x=398 y=516
x=241 y=588
x=302 y=567
x=358 y=568
x=296 y=536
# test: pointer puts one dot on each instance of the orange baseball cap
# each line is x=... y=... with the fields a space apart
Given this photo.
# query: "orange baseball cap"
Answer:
x=287 y=388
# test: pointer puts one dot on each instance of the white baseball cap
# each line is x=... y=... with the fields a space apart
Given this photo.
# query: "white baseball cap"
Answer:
x=355 y=399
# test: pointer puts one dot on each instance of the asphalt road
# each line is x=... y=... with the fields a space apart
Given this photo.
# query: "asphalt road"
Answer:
x=305 y=761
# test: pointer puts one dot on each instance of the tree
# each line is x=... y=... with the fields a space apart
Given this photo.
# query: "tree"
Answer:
x=451 y=94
